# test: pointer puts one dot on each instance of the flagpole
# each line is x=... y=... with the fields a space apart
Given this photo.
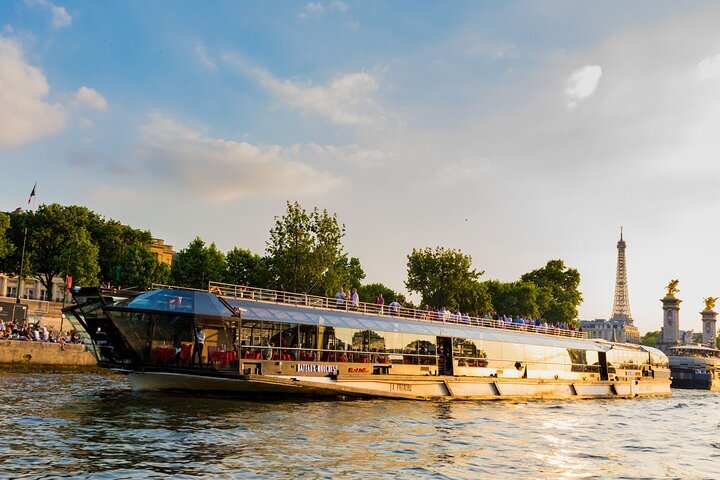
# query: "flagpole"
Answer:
x=22 y=255
x=22 y=264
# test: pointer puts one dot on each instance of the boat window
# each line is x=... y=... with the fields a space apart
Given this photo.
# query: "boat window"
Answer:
x=627 y=359
x=308 y=336
x=535 y=357
x=559 y=359
x=135 y=328
x=658 y=360
x=171 y=333
x=251 y=333
x=512 y=353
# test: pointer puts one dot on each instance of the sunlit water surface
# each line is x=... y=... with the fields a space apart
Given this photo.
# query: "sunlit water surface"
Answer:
x=82 y=426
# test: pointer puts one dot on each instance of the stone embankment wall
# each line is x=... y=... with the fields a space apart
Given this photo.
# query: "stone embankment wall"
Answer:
x=16 y=351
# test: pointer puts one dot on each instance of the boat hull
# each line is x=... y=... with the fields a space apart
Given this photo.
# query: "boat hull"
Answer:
x=402 y=387
x=696 y=380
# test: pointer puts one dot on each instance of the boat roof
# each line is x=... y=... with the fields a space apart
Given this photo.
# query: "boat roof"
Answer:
x=698 y=348
x=202 y=303
x=280 y=312
x=176 y=301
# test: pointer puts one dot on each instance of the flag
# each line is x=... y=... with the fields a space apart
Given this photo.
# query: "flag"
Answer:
x=32 y=194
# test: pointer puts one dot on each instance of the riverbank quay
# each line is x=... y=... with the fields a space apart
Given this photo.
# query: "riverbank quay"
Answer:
x=23 y=356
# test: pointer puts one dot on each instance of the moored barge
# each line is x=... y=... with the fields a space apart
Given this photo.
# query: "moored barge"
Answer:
x=695 y=367
x=250 y=341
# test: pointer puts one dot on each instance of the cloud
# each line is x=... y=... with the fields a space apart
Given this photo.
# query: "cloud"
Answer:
x=582 y=83
x=203 y=58
x=312 y=9
x=709 y=68
x=338 y=5
x=348 y=99
x=224 y=170
x=91 y=98
x=24 y=115
x=60 y=17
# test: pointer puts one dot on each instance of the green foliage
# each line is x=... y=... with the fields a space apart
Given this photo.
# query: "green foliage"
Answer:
x=139 y=268
x=79 y=255
x=650 y=338
x=6 y=246
x=514 y=298
x=197 y=264
x=59 y=243
x=368 y=293
x=247 y=268
x=558 y=294
x=114 y=240
x=444 y=277
x=71 y=240
x=305 y=253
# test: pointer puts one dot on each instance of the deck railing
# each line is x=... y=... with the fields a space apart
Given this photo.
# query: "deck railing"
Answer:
x=229 y=290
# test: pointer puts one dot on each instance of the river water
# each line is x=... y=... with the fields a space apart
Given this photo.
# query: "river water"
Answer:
x=86 y=426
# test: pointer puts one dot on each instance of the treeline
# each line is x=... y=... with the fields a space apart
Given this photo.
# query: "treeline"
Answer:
x=304 y=253
x=75 y=241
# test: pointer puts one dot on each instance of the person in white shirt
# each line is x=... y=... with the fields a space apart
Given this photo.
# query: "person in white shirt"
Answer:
x=340 y=298
x=199 y=345
x=394 y=307
x=355 y=299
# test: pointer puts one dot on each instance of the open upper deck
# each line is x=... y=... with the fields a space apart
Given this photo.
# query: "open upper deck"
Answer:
x=304 y=300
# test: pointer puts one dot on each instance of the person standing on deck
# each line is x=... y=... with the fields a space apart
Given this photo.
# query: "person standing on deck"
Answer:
x=340 y=298
x=199 y=345
x=355 y=299
x=380 y=302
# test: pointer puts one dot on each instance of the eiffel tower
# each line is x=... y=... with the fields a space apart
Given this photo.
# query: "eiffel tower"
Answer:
x=621 y=304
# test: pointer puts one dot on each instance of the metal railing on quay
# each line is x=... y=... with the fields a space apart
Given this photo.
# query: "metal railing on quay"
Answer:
x=229 y=290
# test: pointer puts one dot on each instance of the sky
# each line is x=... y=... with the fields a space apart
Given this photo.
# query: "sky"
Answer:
x=518 y=132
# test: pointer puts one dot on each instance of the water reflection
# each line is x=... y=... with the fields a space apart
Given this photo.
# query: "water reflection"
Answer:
x=92 y=426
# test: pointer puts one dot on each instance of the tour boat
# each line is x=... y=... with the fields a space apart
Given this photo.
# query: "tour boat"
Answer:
x=695 y=366
x=250 y=341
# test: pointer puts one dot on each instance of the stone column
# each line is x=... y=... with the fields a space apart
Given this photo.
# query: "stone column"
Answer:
x=671 y=323
x=709 y=332
x=3 y=285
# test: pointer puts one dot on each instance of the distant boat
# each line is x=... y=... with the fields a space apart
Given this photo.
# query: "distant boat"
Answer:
x=695 y=366
x=251 y=341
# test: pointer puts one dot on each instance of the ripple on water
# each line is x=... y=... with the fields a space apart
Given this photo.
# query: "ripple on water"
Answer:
x=75 y=426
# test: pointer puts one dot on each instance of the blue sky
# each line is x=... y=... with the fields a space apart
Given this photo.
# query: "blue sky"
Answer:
x=516 y=131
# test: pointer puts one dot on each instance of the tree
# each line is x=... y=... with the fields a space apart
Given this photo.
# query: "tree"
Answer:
x=59 y=244
x=650 y=338
x=514 y=298
x=139 y=268
x=197 y=264
x=368 y=293
x=558 y=295
x=305 y=252
x=80 y=258
x=247 y=268
x=444 y=277
x=114 y=239
x=6 y=246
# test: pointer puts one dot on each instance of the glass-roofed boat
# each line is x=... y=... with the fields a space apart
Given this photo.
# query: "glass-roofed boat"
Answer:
x=251 y=341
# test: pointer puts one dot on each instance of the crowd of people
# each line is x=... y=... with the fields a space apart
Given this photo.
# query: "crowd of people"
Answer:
x=346 y=300
x=22 y=330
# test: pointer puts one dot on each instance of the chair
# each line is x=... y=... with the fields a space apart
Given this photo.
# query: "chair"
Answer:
x=185 y=353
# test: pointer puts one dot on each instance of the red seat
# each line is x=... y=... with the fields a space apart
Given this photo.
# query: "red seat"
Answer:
x=185 y=352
